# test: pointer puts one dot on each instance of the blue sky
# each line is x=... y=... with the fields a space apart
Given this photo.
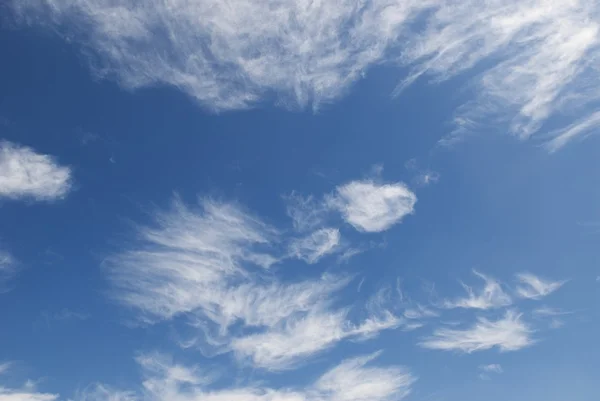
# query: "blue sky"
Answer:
x=299 y=201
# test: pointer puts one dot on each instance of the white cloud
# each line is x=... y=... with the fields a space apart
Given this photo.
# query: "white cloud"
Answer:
x=533 y=57
x=419 y=312
x=27 y=174
x=351 y=380
x=509 y=333
x=490 y=296
x=313 y=247
x=297 y=339
x=533 y=287
x=372 y=207
x=7 y=267
x=530 y=58
x=25 y=393
x=306 y=212
x=547 y=311
x=491 y=368
x=200 y=263
x=579 y=129
x=4 y=367
x=231 y=55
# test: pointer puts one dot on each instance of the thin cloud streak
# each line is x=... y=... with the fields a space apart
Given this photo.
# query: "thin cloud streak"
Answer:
x=201 y=264
x=315 y=246
x=509 y=333
x=490 y=296
x=534 y=287
x=354 y=379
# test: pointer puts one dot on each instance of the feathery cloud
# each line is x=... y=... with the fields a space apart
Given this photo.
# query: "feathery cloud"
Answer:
x=26 y=393
x=7 y=267
x=372 y=207
x=491 y=296
x=486 y=370
x=532 y=58
x=509 y=333
x=492 y=368
x=353 y=379
x=230 y=56
x=284 y=347
x=316 y=245
x=201 y=264
x=534 y=287
x=26 y=174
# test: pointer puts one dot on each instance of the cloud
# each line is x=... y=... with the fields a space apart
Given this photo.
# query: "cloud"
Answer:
x=25 y=174
x=200 y=263
x=230 y=56
x=487 y=369
x=354 y=379
x=579 y=129
x=316 y=245
x=490 y=296
x=372 y=207
x=306 y=213
x=547 y=311
x=7 y=267
x=533 y=287
x=492 y=368
x=528 y=60
x=533 y=58
x=419 y=312
x=284 y=347
x=509 y=333
x=26 y=393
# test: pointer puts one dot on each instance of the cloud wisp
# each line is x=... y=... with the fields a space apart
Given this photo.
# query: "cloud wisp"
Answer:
x=529 y=59
x=534 y=287
x=25 y=174
x=490 y=296
x=206 y=264
x=7 y=267
x=230 y=56
x=354 y=379
x=509 y=333
x=27 y=392
x=316 y=245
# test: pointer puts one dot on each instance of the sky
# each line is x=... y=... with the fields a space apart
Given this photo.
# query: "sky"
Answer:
x=266 y=200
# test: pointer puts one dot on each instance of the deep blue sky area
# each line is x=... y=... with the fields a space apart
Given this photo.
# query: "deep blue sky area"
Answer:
x=158 y=243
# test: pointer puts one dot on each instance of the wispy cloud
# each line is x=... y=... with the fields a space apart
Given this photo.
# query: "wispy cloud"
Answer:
x=7 y=268
x=306 y=212
x=547 y=311
x=372 y=207
x=542 y=54
x=318 y=244
x=353 y=379
x=534 y=287
x=509 y=333
x=25 y=174
x=492 y=368
x=490 y=296
x=201 y=263
x=286 y=346
x=230 y=56
x=486 y=370
x=532 y=58
x=27 y=392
